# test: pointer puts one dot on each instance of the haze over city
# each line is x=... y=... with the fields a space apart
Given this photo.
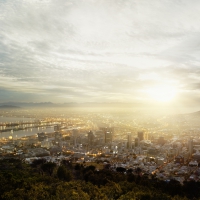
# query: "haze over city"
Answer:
x=99 y=99
x=141 y=52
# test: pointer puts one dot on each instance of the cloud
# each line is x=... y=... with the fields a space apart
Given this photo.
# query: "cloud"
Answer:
x=106 y=50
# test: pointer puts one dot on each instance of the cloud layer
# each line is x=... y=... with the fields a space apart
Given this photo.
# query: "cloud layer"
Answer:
x=106 y=50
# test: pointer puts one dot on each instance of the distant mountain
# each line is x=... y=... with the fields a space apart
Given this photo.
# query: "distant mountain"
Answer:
x=194 y=114
x=28 y=104
x=62 y=105
x=8 y=106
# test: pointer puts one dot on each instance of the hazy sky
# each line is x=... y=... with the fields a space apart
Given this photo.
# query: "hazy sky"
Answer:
x=100 y=50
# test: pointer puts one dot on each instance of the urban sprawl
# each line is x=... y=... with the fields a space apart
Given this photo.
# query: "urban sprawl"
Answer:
x=165 y=148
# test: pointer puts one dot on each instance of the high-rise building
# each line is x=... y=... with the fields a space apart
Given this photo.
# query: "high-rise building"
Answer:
x=108 y=132
x=161 y=140
x=90 y=138
x=136 y=142
x=190 y=147
x=141 y=135
x=75 y=134
x=129 y=140
x=57 y=127
x=108 y=137
x=146 y=135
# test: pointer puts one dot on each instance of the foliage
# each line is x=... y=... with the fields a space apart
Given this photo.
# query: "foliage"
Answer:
x=20 y=181
x=64 y=174
x=48 y=167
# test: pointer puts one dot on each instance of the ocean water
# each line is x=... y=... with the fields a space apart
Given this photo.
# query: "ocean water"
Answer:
x=22 y=133
x=27 y=132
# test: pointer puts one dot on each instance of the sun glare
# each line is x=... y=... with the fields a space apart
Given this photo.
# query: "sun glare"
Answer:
x=162 y=93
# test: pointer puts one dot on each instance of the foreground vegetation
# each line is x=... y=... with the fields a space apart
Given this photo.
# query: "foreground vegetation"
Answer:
x=43 y=180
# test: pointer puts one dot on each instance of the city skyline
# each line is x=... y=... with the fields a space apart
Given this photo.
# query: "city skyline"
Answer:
x=139 y=52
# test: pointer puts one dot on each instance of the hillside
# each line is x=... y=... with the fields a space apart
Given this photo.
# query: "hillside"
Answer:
x=8 y=107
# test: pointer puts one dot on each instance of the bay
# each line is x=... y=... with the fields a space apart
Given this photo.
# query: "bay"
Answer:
x=25 y=132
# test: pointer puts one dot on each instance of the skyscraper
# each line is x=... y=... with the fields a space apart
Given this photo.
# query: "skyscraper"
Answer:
x=75 y=134
x=146 y=136
x=90 y=138
x=108 y=132
x=136 y=142
x=129 y=140
x=141 y=135
x=190 y=146
x=108 y=137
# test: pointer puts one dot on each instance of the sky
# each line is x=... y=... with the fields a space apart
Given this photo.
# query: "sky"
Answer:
x=100 y=51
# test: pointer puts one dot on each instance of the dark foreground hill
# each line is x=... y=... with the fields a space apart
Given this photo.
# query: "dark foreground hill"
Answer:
x=43 y=181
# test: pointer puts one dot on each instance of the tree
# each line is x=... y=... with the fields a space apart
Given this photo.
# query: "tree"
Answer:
x=129 y=171
x=78 y=167
x=64 y=174
x=67 y=163
x=71 y=191
x=120 y=169
x=88 y=168
x=88 y=175
x=38 y=162
x=138 y=170
x=112 y=190
x=48 y=167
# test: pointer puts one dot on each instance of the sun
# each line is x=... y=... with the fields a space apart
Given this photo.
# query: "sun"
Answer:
x=162 y=93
